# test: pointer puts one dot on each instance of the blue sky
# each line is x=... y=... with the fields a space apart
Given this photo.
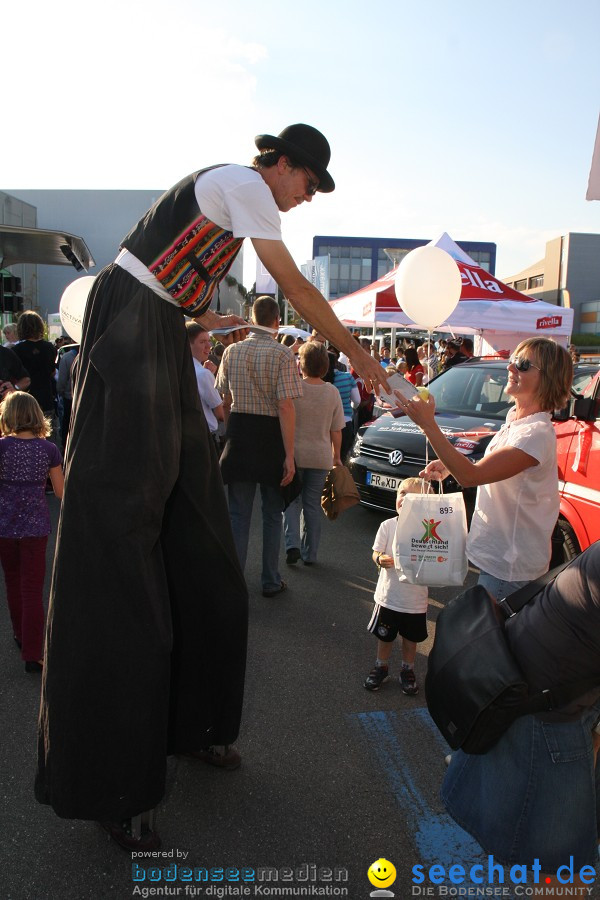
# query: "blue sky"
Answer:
x=464 y=117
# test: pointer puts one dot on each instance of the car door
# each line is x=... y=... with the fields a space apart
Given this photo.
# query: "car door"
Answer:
x=578 y=446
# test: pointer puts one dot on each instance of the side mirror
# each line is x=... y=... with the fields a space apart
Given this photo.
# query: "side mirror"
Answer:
x=584 y=408
x=579 y=407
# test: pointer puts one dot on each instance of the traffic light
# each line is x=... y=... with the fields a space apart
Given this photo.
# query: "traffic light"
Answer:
x=11 y=284
x=12 y=301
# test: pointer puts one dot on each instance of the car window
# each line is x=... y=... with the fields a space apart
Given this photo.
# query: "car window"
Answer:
x=582 y=377
x=468 y=390
x=592 y=390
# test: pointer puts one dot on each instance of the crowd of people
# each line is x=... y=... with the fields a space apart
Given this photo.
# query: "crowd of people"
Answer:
x=30 y=467
x=419 y=361
x=422 y=361
x=326 y=421
x=146 y=462
x=332 y=404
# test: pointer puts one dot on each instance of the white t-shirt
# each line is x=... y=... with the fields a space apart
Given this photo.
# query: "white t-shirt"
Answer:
x=234 y=197
x=390 y=591
x=209 y=395
x=513 y=520
x=238 y=199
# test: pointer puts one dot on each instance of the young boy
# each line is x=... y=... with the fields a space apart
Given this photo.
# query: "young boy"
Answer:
x=400 y=608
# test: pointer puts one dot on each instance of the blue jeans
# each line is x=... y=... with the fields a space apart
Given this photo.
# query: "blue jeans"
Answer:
x=498 y=588
x=241 y=501
x=535 y=794
x=309 y=503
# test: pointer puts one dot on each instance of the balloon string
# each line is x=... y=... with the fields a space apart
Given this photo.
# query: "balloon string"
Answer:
x=428 y=370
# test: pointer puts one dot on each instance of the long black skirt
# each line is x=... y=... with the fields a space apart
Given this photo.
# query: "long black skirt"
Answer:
x=146 y=588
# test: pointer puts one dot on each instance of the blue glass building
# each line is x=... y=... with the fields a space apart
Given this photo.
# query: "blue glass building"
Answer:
x=355 y=262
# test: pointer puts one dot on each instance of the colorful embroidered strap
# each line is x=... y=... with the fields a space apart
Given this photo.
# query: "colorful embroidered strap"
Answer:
x=195 y=263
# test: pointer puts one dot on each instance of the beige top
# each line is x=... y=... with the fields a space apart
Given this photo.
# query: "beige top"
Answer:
x=318 y=412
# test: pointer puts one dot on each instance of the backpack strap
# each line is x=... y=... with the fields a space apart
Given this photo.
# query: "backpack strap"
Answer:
x=516 y=601
x=554 y=698
x=551 y=698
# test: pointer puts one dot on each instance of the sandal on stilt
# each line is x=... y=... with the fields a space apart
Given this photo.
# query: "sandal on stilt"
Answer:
x=136 y=833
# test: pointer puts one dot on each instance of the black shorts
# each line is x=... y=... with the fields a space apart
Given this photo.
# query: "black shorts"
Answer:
x=386 y=623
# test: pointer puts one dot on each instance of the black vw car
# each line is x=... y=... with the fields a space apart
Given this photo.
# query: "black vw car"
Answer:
x=471 y=405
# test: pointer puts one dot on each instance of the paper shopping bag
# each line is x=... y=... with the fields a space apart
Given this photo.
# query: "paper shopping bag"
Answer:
x=431 y=538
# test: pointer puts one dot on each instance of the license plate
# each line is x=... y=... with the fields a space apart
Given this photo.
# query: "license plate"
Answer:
x=386 y=482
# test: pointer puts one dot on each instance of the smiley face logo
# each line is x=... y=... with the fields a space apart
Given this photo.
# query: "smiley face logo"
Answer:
x=381 y=873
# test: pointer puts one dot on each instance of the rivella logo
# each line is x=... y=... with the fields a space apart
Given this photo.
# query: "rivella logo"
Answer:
x=549 y=322
x=472 y=277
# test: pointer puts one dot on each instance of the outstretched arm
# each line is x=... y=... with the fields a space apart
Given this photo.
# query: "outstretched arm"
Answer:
x=495 y=466
x=313 y=307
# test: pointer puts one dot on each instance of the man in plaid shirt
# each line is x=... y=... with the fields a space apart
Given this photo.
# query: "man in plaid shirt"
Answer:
x=259 y=377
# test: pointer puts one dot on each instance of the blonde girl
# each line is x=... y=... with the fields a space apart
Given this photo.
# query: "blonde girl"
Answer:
x=27 y=459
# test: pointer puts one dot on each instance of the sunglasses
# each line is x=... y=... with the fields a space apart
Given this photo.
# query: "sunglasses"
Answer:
x=311 y=186
x=522 y=365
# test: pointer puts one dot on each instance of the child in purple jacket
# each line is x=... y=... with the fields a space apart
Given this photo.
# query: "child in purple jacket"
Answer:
x=26 y=461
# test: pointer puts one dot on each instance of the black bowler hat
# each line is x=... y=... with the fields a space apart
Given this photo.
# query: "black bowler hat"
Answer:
x=304 y=145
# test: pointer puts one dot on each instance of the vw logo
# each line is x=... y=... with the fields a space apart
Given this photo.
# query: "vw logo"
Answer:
x=396 y=457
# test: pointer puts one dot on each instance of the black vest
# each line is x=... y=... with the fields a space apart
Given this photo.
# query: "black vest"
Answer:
x=187 y=253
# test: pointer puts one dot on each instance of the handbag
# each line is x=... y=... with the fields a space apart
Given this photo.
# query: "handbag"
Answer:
x=293 y=489
x=474 y=687
x=339 y=492
x=430 y=544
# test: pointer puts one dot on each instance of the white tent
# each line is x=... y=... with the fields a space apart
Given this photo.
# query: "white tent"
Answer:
x=501 y=316
x=295 y=332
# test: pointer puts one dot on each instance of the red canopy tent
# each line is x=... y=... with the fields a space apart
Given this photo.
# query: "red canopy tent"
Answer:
x=487 y=307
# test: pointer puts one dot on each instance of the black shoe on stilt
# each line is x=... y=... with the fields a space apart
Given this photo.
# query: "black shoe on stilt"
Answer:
x=136 y=833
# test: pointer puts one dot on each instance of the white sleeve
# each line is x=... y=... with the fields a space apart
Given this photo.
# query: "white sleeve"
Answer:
x=237 y=199
x=207 y=389
x=383 y=542
x=537 y=440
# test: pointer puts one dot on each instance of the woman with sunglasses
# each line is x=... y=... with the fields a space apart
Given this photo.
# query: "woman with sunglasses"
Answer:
x=517 y=479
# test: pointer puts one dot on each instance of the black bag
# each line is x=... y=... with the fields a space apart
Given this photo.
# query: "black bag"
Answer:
x=474 y=687
x=292 y=490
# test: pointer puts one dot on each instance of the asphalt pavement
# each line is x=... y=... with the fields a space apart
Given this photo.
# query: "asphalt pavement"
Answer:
x=333 y=778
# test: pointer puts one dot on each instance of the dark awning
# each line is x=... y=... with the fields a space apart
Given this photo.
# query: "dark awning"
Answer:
x=41 y=247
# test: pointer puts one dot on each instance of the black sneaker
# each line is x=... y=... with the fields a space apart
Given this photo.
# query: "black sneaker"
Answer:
x=376 y=677
x=409 y=682
x=292 y=556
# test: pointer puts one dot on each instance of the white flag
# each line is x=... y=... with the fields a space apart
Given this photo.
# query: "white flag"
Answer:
x=265 y=283
x=322 y=275
x=317 y=272
x=308 y=270
x=593 y=191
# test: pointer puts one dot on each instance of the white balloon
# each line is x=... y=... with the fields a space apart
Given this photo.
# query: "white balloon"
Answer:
x=428 y=286
x=72 y=306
